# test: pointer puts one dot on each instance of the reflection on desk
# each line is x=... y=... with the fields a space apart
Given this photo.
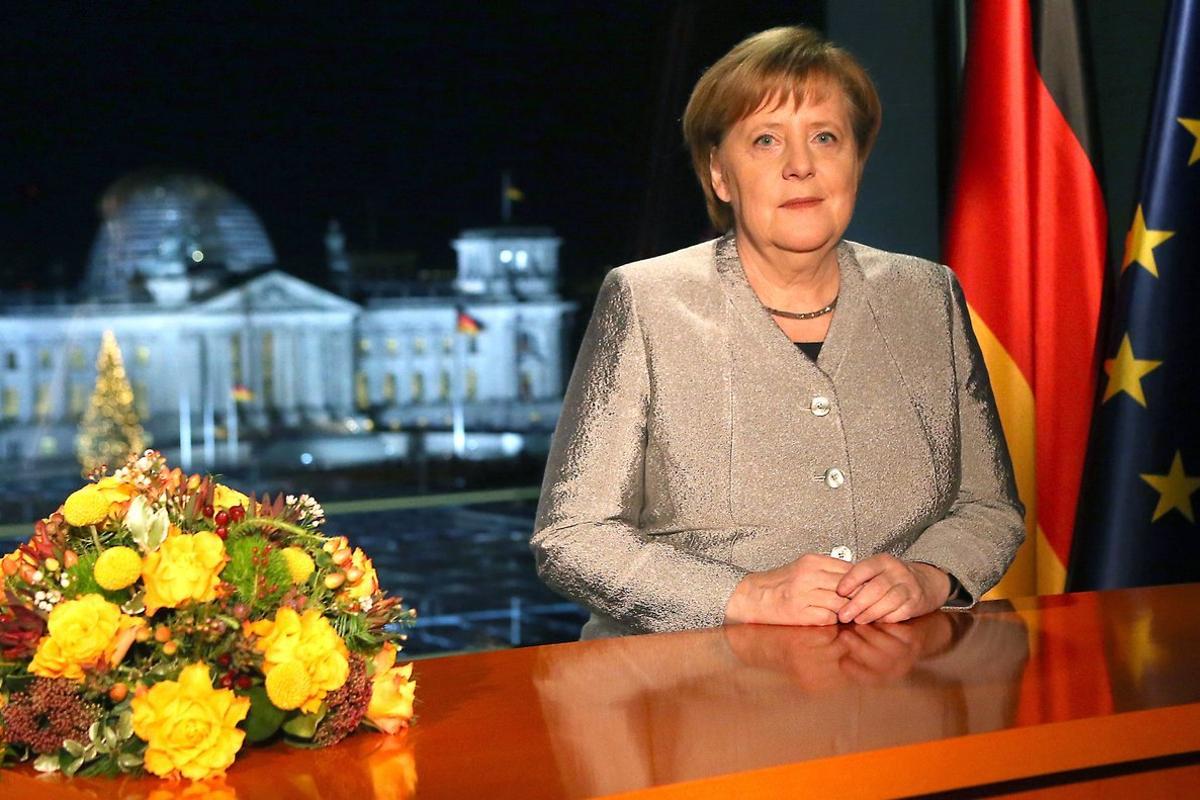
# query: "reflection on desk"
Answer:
x=642 y=711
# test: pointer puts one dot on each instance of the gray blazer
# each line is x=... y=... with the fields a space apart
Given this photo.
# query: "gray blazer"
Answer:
x=697 y=443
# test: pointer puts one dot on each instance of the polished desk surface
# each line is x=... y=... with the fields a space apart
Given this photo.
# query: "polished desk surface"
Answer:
x=1009 y=691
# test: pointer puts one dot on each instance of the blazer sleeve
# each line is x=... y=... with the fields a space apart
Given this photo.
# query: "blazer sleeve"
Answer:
x=587 y=542
x=978 y=538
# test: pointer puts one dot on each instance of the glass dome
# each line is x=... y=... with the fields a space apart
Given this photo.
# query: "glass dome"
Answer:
x=157 y=224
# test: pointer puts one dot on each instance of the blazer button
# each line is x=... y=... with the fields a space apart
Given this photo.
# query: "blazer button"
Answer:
x=834 y=478
x=819 y=406
x=842 y=552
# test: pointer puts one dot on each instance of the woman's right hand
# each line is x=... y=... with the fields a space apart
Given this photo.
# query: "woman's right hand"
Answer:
x=802 y=592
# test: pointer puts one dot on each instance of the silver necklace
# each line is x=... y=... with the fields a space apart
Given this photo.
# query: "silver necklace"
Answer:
x=820 y=312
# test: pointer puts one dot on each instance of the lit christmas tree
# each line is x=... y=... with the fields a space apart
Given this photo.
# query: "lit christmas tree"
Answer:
x=110 y=429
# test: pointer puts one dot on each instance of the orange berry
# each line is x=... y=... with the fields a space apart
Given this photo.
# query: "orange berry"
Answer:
x=118 y=692
x=354 y=575
x=171 y=647
x=334 y=579
x=342 y=556
x=162 y=634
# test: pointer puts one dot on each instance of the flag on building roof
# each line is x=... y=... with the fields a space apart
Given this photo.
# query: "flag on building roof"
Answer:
x=468 y=324
x=1137 y=521
x=1026 y=237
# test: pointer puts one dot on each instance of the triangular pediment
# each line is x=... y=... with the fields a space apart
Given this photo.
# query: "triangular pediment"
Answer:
x=278 y=291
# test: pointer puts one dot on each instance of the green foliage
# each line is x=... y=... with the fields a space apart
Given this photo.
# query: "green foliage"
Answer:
x=303 y=726
x=356 y=633
x=264 y=718
x=83 y=581
x=257 y=571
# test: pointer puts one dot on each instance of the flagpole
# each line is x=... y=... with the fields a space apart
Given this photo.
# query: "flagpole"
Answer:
x=505 y=197
x=458 y=391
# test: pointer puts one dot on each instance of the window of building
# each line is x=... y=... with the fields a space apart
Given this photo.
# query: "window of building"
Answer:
x=48 y=446
x=417 y=387
x=525 y=386
x=78 y=399
x=10 y=359
x=235 y=360
x=473 y=344
x=75 y=358
x=268 y=367
x=12 y=403
x=472 y=381
x=142 y=354
x=389 y=388
x=444 y=385
x=45 y=359
x=364 y=345
x=448 y=345
x=362 y=391
x=141 y=400
x=418 y=346
x=41 y=402
x=392 y=346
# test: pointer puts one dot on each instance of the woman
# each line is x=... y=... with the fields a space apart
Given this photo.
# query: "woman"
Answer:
x=779 y=426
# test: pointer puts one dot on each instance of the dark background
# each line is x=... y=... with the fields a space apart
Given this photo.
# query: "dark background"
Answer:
x=399 y=118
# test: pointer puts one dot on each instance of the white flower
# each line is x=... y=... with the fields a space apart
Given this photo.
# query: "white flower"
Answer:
x=37 y=576
x=148 y=526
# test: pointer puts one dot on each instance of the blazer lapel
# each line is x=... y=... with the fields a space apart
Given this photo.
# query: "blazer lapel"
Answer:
x=851 y=309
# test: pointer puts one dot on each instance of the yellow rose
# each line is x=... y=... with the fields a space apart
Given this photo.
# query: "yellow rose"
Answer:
x=225 y=498
x=300 y=565
x=392 y=692
x=80 y=634
x=93 y=503
x=312 y=642
x=190 y=729
x=185 y=568
x=117 y=568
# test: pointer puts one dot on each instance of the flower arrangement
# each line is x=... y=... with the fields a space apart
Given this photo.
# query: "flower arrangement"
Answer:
x=159 y=622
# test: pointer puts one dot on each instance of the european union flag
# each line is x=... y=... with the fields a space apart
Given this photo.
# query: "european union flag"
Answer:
x=1137 y=521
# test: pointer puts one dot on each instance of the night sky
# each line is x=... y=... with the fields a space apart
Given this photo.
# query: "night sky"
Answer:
x=395 y=118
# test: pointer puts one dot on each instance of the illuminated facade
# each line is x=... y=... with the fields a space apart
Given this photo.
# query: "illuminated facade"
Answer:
x=230 y=359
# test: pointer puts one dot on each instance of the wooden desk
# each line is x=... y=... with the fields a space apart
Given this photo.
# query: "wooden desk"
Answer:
x=1062 y=694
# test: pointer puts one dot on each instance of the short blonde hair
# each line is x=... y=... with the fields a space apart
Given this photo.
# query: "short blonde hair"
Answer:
x=782 y=63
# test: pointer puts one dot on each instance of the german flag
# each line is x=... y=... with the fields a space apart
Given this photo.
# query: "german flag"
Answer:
x=468 y=324
x=1026 y=237
x=241 y=393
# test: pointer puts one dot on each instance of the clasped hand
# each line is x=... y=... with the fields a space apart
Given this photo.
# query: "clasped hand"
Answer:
x=822 y=590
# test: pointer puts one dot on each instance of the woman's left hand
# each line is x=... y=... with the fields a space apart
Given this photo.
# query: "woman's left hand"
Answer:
x=884 y=588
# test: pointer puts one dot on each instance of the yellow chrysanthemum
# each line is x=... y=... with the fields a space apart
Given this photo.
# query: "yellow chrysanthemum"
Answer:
x=299 y=564
x=288 y=685
x=117 y=567
x=190 y=729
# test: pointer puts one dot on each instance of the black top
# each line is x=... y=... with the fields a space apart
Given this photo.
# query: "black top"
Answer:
x=810 y=349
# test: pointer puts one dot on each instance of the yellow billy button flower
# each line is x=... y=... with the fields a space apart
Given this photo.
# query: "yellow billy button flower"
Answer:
x=190 y=729
x=288 y=685
x=300 y=565
x=310 y=641
x=392 y=692
x=117 y=568
x=185 y=568
x=83 y=634
x=93 y=503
